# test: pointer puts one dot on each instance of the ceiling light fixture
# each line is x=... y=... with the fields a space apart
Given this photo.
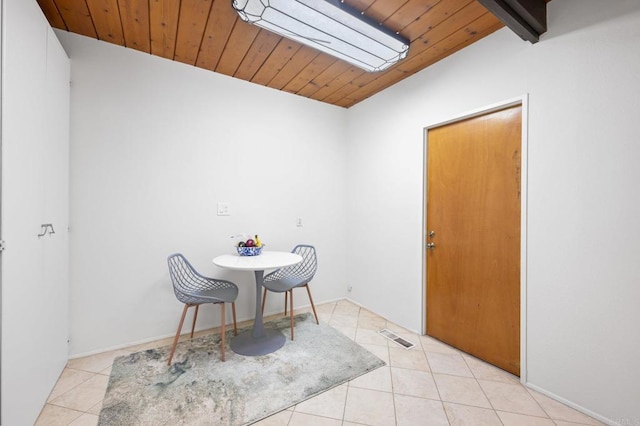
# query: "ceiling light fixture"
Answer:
x=329 y=26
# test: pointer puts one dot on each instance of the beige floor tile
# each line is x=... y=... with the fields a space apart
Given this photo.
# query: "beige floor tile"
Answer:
x=452 y=364
x=429 y=344
x=414 y=383
x=345 y=307
x=370 y=337
x=563 y=423
x=106 y=371
x=371 y=322
x=367 y=313
x=347 y=331
x=511 y=398
x=325 y=311
x=95 y=409
x=98 y=362
x=328 y=404
x=378 y=379
x=461 y=390
x=464 y=415
x=484 y=371
x=52 y=415
x=413 y=359
x=412 y=411
x=558 y=411
x=85 y=395
x=338 y=320
x=85 y=420
x=381 y=352
x=326 y=307
x=279 y=419
x=69 y=379
x=302 y=419
x=512 y=419
x=369 y=407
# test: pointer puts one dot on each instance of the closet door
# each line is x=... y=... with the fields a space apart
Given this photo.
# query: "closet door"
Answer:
x=54 y=290
x=35 y=289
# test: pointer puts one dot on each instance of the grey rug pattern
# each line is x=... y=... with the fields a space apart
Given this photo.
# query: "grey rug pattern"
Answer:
x=199 y=389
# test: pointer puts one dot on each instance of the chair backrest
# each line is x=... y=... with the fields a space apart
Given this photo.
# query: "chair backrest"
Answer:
x=186 y=280
x=304 y=271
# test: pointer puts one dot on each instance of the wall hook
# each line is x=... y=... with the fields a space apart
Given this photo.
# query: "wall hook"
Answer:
x=43 y=229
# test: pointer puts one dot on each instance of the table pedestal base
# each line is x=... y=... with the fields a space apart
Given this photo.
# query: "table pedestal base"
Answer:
x=245 y=344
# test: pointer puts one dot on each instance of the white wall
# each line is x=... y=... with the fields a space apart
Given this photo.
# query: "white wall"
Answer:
x=155 y=145
x=583 y=80
x=35 y=190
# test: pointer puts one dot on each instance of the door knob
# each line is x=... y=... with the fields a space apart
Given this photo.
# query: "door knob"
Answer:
x=431 y=246
x=432 y=234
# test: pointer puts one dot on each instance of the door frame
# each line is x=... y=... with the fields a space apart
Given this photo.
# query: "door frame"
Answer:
x=2 y=60
x=524 y=102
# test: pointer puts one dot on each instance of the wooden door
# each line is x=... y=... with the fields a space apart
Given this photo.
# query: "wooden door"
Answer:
x=473 y=228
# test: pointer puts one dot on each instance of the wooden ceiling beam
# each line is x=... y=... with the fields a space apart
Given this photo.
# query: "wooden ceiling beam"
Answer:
x=526 y=18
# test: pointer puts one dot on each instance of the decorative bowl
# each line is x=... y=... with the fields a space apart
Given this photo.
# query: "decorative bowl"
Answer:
x=249 y=251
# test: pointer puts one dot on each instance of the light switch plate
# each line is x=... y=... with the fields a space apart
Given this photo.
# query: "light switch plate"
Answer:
x=224 y=209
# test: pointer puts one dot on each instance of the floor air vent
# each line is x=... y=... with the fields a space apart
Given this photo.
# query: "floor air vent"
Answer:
x=395 y=338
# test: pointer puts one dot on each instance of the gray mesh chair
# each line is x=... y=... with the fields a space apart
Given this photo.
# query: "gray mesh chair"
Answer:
x=284 y=280
x=194 y=289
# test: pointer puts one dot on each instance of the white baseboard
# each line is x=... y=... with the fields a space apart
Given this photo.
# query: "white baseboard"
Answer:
x=122 y=346
x=164 y=336
x=572 y=405
x=386 y=319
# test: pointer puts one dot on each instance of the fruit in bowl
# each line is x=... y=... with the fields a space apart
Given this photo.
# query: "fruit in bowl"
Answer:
x=249 y=246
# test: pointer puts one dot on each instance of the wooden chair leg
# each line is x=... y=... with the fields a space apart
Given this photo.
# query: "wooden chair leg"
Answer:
x=312 y=305
x=235 y=325
x=291 y=311
x=286 y=293
x=175 y=341
x=222 y=343
x=193 y=326
x=264 y=299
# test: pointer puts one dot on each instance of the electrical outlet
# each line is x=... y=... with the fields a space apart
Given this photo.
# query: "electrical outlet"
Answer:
x=224 y=209
x=299 y=222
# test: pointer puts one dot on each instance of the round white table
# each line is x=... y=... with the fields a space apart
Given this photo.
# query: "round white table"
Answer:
x=259 y=341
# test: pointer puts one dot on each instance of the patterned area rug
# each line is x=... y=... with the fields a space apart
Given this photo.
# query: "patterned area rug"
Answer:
x=199 y=389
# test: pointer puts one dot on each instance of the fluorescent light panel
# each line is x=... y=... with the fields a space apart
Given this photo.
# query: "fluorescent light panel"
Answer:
x=329 y=26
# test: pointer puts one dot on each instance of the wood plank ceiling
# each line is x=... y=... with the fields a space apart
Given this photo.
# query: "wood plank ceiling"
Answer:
x=208 y=34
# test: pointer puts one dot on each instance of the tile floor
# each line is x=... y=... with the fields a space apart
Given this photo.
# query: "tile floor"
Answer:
x=431 y=384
